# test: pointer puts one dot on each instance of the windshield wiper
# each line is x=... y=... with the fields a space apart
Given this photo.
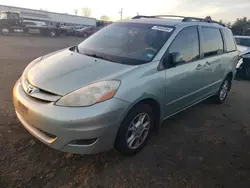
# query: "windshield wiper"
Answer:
x=97 y=56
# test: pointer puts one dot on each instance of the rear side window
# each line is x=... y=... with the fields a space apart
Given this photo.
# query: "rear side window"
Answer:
x=187 y=44
x=229 y=40
x=213 y=43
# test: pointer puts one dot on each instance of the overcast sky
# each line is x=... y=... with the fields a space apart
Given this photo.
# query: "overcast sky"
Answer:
x=227 y=10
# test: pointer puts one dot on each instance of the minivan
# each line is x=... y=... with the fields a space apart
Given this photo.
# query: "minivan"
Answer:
x=118 y=85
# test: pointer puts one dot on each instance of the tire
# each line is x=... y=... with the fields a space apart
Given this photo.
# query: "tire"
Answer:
x=133 y=134
x=221 y=95
x=5 y=31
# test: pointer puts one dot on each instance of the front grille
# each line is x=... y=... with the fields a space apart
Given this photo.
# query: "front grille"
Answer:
x=39 y=94
x=51 y=136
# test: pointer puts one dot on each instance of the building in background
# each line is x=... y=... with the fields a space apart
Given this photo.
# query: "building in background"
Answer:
x=50 y=17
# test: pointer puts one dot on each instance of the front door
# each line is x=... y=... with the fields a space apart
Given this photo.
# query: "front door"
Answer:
x=184 y=82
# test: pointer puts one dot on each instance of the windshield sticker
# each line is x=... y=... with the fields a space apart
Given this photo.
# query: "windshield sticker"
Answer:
x=161 y=28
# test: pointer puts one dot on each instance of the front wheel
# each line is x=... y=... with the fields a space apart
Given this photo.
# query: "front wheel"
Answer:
x=135 y=130
x=221 y=96
x=5 y=31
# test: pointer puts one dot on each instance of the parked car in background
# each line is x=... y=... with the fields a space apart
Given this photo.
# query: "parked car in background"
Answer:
x=87 y=31
x=242 y=40
x=68 y=30
x=114 y=89
x=12 y=23
x=243 y=65
x=79 y=31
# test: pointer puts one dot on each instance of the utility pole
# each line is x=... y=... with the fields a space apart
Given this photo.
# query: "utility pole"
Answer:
x=121 y=12
x=76 y=11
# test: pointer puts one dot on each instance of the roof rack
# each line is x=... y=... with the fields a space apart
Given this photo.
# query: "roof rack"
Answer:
x=184 y=18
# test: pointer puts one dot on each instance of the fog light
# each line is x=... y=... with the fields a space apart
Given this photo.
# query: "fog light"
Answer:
x=83 y=142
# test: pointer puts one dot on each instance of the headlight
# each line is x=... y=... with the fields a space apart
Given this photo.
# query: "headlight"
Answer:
x=91 y=94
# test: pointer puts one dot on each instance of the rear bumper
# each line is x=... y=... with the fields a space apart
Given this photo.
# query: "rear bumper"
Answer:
x=59 y=127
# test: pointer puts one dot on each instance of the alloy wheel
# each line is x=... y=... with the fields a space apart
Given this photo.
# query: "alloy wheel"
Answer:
x=138 y=131
x=224 y=90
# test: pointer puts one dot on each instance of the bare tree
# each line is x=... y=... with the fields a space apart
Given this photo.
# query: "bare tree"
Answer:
x=86 y=12
x=105 y=18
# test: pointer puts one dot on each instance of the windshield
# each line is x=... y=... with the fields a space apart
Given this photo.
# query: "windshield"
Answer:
x=243 y=41
x=127 y=43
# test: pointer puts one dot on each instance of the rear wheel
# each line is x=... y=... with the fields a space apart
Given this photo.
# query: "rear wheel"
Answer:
x=221 y=96
x=135 y=130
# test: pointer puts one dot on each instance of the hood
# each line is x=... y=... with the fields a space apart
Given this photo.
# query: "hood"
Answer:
x=66 y=71
x=243 y=49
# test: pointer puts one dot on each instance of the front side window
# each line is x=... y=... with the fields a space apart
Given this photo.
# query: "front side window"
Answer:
x=127 y=43
x=187 y=44
x=213 y=43
x=13 y=16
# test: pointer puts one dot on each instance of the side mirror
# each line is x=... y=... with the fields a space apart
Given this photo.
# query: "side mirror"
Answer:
x=171 y=60
x=175 y=58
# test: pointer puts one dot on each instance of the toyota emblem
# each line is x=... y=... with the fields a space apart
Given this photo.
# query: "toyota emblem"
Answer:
x=30 y=89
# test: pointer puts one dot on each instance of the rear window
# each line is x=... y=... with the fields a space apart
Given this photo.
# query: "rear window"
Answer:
x=230 y=43
x=213 y=43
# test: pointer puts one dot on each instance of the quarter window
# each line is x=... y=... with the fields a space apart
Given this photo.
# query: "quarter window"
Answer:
x=187 y=44
x=229 y=40
x=213 y=43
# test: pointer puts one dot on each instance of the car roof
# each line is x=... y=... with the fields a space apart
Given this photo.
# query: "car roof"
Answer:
x=172 y=22
x=242 y=37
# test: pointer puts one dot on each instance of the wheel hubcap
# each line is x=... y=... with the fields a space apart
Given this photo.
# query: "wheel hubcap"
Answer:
x=138 y=130
x=224 y=90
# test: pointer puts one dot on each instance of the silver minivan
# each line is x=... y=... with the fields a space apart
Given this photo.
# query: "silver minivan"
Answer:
x=115 y=88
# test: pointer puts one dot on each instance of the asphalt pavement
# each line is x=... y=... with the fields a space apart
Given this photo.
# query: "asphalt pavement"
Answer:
x=205 y=146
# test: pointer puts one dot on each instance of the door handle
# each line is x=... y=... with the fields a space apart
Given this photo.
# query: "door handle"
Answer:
x=199 y=66
x=207 y=63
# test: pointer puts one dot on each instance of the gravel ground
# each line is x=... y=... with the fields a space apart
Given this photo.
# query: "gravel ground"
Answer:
x=204 y=146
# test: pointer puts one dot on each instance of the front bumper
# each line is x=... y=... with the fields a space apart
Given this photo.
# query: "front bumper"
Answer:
x=59 y=127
